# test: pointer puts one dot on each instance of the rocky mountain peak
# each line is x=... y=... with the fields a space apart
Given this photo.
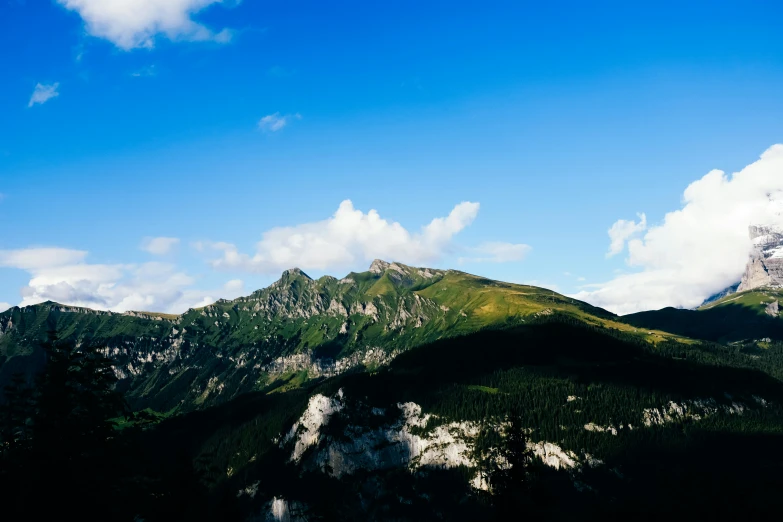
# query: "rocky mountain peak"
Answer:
x=293 y=273
x=766 y=235
x=379 y=266
x=765 y=267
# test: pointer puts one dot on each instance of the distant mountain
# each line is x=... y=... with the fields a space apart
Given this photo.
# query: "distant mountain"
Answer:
x=392 y=395
x=749 y=310
x=765 y=267
x=296 y=329
x=720 y=295
x=744 y=316
x=616 y=422
x=740 y=316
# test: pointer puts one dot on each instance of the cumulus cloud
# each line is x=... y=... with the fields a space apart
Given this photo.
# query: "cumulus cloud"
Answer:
x=130 y=24
x=700 y=248
x=497 y=252
x=159 y=246
x=4 y=307
x=64 y=276
x=347 y=237
x=43 y=93
x=275 y=122
x=622 y=231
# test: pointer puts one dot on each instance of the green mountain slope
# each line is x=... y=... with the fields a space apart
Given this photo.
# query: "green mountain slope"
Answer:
x=745 y=316
x=344 y=399
x=758 y=301
x=619 y=427
x=294 y=330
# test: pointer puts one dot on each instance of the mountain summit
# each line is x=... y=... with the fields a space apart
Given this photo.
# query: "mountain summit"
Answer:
x=296 y=329
x=765 y=267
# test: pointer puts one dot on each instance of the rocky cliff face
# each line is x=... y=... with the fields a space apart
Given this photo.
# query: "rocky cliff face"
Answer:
x=324 y=328
x=297 y=329
x=765 y=267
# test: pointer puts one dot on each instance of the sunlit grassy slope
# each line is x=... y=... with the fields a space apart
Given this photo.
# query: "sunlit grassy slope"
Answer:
x=756 y=300
x=744 y=316
x=227 y=348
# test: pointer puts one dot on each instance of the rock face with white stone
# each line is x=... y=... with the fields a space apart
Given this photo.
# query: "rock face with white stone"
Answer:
x=323 y=327
x=404 y=440
x=765 y=267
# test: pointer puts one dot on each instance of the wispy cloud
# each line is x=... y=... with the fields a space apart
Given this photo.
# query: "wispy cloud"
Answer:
x=145 y=72
x=43 y=93
x=78 y=52
x=159 y=246
x=275 y=122
x=36 y=258
x=130 y=24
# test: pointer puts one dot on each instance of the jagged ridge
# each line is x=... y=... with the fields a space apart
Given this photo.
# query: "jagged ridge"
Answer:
x=297 y=328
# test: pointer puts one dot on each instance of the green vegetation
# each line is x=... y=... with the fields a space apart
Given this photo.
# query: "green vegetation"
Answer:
x=523 y=364
x=167 y=362
x=551 y=378
x=756 y=300
x=485 y=389
x=63 y=456
x=736 y=317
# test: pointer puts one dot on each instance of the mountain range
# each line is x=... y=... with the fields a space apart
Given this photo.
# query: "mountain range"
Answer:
x=392 y=387
x=297 y=328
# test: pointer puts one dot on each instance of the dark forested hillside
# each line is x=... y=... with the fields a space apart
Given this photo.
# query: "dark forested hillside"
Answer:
x=296 y=329
x=395 y=394
x=651 y=429
x=745 y=316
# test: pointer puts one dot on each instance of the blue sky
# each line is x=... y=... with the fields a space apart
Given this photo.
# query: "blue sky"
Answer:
x=558 y=119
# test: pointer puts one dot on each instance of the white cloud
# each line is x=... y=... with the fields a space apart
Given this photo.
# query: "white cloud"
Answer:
x=37 y=258
x=622 y=231
x=159 y=246
x=4 y=307
x=130 y=24
x=701 y=248
x=43 y=93
x=235 y=285
x=347 y=237
x=275 y=122
x=497 y=252
x=64 y=276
